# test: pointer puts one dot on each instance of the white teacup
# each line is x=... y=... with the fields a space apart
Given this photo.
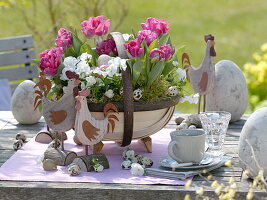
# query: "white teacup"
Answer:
x=187 y=145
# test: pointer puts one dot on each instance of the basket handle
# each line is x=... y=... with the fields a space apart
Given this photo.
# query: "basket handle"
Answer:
x=128 y=106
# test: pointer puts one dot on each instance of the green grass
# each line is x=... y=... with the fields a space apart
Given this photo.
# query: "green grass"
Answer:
x=239 y=26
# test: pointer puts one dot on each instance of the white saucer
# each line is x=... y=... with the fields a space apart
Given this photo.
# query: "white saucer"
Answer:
x=168 y=162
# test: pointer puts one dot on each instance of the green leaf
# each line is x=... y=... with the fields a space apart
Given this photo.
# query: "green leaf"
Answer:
x=69 y=52
x=85 y=48
x=155 y=72
x=168 y=69
x=133 y=32
x=137 y=67
x=77 y=43
x=163 y=39
x=153 y=45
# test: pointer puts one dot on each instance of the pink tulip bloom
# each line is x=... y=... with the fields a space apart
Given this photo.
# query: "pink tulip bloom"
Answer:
x=50 y=60
x=156 y=55
x=168 y=51
x=107 y=47
x=64 y=38
x=158 y=26
x=95 y=26
x=147 y=36
x=134 y=49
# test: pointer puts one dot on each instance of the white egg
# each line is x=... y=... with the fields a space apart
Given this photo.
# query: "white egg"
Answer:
x=230 y=92
x=22 y=103
x=253 y=143
x=173 y=91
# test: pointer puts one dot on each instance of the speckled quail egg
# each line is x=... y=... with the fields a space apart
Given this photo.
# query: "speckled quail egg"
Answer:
x=121 y=91
x=134 y=159
x=192 y=127
x=147 y=162
x=52 y=144
x=126 y=164
x=137 y=94
x=74 y=169
x=173 y=91
x=17 y=145
x=98 y=168
x=128 y=154
x=21 y=136
x=139 y=158
x=182 y=126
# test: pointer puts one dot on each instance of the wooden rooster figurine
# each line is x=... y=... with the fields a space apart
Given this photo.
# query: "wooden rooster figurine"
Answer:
x=88 y=130
x=59 y=115
x=202 y=78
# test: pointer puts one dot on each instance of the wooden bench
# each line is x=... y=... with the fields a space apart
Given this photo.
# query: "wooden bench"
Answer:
x=16 y=54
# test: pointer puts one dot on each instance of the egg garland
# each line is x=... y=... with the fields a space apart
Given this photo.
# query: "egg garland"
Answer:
x=173 y=91
x=17 y=145
x=131 y=158
x=21 y=137
x=74 y=169
x=137 y=94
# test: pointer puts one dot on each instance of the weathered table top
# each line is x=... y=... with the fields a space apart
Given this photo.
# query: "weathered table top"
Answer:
x=54 y=190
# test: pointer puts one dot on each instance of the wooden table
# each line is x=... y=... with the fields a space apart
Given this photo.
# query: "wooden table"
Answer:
x=55 y=190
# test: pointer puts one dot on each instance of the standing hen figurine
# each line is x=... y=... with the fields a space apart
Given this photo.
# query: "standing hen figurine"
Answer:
x=202 y=78
x=59 y=115
x=88 y=130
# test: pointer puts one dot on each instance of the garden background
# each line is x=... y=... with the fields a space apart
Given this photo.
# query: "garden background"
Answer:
x=239 y=27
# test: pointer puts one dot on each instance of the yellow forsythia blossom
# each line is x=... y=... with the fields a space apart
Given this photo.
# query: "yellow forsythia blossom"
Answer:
x=256 y=77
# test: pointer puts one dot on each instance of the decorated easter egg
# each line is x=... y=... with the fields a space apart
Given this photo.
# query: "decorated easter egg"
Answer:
x=103 y=60
x=253 y=143
x=22 y=103
x=230 y=91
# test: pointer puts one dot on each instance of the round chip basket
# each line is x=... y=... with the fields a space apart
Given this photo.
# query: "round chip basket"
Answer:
x=137 y=120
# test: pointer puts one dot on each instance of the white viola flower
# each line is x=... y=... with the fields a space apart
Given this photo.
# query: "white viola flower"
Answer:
x=175 y=63
x=123 y=64
x=109 y=93
x=85 y=57
x=112 y=70
x=114 y=61
x=90 y=80
x=181 y=74
x=83 y=86
x=126 y=36
x=137 y=169
x=102 y=70
x=70 y=62
x=63 y=75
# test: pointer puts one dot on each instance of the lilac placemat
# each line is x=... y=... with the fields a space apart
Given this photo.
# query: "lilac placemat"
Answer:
x=22 y=166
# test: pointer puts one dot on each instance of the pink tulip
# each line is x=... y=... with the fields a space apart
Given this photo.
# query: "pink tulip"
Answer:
x=158 y=26
x=147 y=36
x=164 y=53
x=134 y=49
x=95 y=26
x=50 y=60
x=107 y=47
x=64 y=38
x=156 y=55
x=168 y=51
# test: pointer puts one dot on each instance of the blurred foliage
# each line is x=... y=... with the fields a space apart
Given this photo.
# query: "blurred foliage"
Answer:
x=256 y=76
x=238 y=25
x=44 y=18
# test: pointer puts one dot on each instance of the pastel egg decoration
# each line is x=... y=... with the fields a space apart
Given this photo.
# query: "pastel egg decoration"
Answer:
x=22 y=103
x=230 y=92
x=253 y=143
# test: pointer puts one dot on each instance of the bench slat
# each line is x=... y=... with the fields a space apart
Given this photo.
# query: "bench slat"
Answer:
x=19 y=73
x=15 y=58
x=18 y=42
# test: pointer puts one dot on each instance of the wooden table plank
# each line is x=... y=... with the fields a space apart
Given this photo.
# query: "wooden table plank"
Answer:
x=46 y=190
